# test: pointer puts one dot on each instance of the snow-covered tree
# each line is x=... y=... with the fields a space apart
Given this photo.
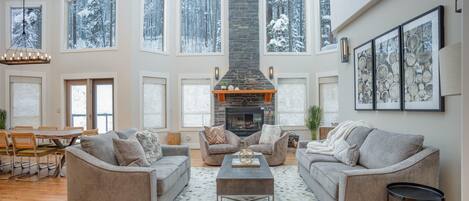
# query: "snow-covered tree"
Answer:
x=153 y=25
x=326 y=36
x=286 y=26
x=32 y=29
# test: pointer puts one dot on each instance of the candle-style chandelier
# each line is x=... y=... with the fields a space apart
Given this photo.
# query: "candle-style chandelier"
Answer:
x=19 y=52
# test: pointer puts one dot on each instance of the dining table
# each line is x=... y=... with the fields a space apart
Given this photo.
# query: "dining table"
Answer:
x=55 y=136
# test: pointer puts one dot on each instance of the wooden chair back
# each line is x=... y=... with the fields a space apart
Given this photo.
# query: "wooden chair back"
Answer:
x=23 y=140
x=4 y=140
x=47 y=128
x=23 y=128
x=90 y=132
x=73 y=128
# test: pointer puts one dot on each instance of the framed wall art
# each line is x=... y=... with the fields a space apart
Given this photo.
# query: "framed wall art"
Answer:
x=363 y=70
x=388 y=70
x=422 y=38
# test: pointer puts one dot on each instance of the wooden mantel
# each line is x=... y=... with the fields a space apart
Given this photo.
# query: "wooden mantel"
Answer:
x=268 y=93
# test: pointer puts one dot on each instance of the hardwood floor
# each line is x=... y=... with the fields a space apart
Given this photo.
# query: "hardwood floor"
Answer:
x=55 y=189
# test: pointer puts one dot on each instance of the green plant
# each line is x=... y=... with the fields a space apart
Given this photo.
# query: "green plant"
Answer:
x=313 y=120
x=3 y=119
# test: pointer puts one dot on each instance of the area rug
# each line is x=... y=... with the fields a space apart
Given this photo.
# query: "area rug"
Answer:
x=288 y=186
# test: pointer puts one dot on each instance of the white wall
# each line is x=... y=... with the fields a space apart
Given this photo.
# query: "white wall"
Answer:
x=465 y=103
x=441 y=130
x=345 y=11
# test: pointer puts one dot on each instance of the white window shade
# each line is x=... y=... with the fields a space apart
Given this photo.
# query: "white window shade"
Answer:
x=154 y=102
x=25 y=101
x=196 y=102
x=292 y=101
x=329 y=99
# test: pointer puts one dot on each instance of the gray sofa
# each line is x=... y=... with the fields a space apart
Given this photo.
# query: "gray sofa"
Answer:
x=91 y=179
x=214 y=154
x=275 y=153
x=385 y=158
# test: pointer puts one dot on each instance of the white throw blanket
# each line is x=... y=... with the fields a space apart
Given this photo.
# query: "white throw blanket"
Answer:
x=341 y=132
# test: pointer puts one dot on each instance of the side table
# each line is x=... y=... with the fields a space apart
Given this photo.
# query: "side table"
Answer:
x=174 y=138
x=413 y=192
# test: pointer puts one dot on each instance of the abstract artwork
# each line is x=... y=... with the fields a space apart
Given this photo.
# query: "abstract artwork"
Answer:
x=364 y=90
x=387 y=53
x=422 y=40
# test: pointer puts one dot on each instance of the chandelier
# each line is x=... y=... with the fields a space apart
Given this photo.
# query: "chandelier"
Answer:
x=19 y=52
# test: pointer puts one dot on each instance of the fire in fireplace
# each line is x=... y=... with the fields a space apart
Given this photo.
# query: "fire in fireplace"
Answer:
x=244 y=121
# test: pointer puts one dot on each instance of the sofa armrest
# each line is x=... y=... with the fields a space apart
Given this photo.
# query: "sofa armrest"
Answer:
x=232 y=138
x=370 y=184
x=203 y=143
x=176 y=150
x=90 y=179
x=253 y=138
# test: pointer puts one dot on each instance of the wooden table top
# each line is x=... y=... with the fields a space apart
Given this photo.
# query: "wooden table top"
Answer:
x=51 y=134
x=259 y=173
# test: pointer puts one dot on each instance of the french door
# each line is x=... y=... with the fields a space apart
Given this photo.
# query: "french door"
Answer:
x=90 y=104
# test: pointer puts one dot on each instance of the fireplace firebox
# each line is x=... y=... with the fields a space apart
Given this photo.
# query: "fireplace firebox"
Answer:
x=244 y=121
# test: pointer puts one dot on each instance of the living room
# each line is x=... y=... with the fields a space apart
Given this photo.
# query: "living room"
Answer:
x=240 y=99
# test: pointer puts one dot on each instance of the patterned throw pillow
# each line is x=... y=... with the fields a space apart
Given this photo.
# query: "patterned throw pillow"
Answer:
x=270 y=134
x=151 y=145
x=215 y=135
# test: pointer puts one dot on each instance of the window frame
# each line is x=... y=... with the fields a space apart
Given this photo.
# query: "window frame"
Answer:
x=317 y=87
x=9 y=5
x=263 y=31
x=224 y=23
x=64 y=27
x=317 y=19
x=180 y=100
x=168 y=105
x=36 y=74
x=165 y=31
x=307 y=101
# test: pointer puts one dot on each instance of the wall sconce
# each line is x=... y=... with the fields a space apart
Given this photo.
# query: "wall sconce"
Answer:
x=271 y=72
x=344 y=50
x=217 y=73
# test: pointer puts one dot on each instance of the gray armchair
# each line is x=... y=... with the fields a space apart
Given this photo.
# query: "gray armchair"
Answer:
x=214 y=154
x=275 y=153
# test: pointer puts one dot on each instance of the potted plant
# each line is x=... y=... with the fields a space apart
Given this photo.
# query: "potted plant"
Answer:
x=313 y=120
x=223 y=85
x=3 y=119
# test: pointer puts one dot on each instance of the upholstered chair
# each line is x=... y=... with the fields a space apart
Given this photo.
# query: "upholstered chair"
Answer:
x=275 y=153
x=214 y=154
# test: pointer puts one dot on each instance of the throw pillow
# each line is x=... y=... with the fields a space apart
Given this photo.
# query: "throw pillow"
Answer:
x=127 y=133
x=100 y=146
x=345 y=153
x=270 y=134
x=215 y=135
x=151 y=145
x=130 y=153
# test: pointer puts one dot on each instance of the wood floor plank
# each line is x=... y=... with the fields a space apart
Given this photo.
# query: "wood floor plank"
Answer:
x=55 y=189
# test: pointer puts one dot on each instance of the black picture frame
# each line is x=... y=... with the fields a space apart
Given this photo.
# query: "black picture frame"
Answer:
x=393 y=106
x=438 y=103
x=366 y=106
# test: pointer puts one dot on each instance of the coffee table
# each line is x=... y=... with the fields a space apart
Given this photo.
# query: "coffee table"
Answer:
x=245 y=181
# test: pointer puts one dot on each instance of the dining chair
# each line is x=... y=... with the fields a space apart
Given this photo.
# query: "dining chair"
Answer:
x=6 y=151
x=91 y=132
x=25 y=145
x=23 y=128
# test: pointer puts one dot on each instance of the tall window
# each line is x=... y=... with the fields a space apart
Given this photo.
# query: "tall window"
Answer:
x=286 y=26
x=200 y=27
x=33 y=27
x=91 y=24
x=327 y=41
x=25 y=101
x=154 y=102
x=329 y=99
x=153 y=25
x=196 y=103
x=292 y=100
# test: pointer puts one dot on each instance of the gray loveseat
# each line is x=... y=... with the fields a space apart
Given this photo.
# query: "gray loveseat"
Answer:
x=385 y=158
x=91 y=179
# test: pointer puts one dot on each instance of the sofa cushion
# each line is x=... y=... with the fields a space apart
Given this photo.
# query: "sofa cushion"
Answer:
x=358 y=136
x=168 y=170
x=215 y=134
x=306 y=159
x=270 y=134
x=100 y=146
x=265 y=149
x=151 y=145
x=382 y=148
x=346 y=153
x=127 y=133
x=130 y=153
x=328 y=174
x=222 y=149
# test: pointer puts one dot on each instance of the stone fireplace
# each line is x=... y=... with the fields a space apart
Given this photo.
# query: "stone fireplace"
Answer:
x=244 y=113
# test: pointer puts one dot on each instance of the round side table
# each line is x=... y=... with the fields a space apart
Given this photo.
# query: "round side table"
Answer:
x=414 y=192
